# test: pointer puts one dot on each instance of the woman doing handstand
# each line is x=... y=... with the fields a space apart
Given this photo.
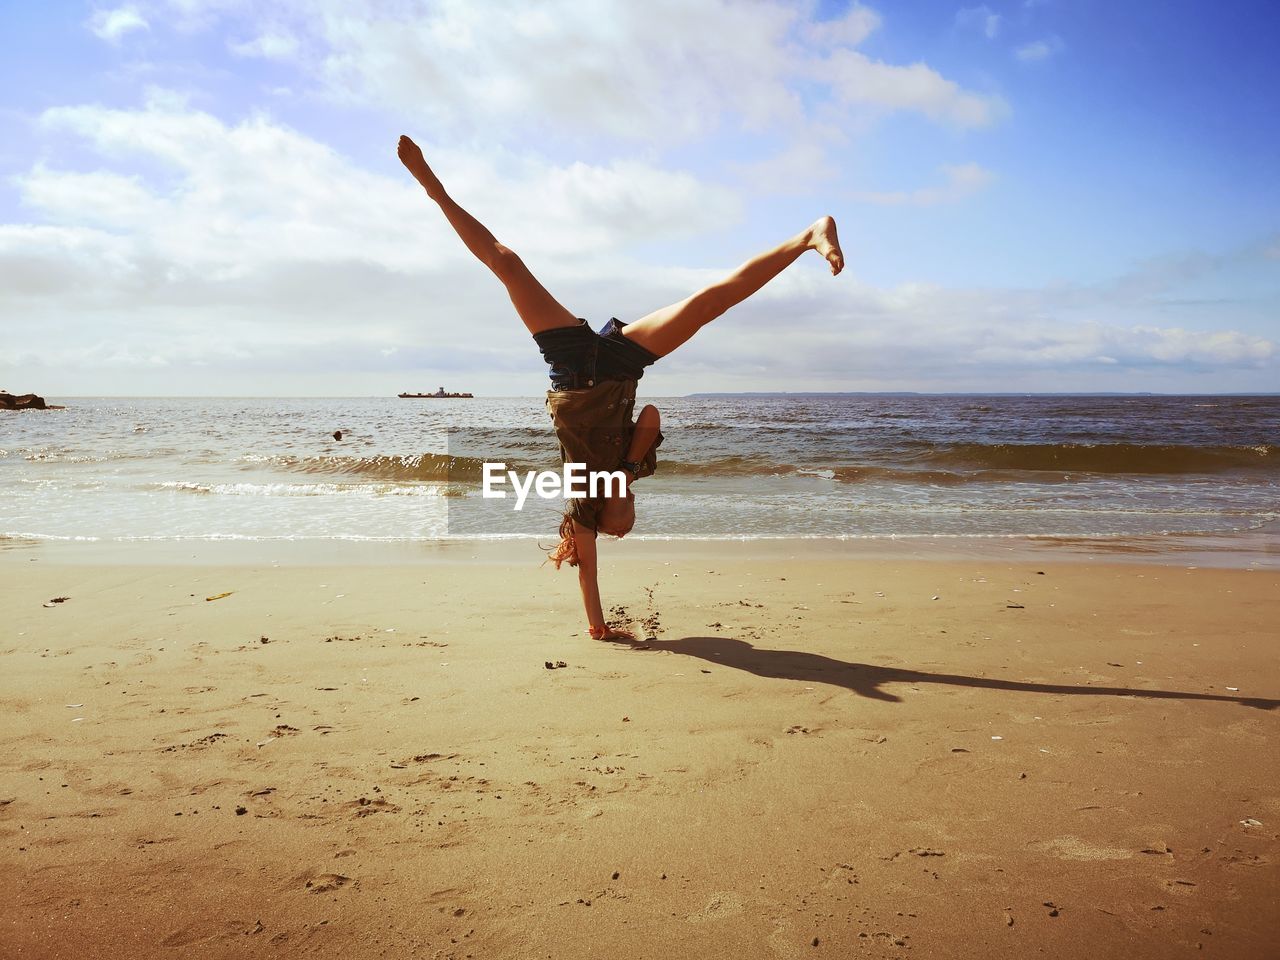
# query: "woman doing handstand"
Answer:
x=593 y=375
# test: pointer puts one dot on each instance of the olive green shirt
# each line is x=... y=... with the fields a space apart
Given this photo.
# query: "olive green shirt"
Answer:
x=594 y=426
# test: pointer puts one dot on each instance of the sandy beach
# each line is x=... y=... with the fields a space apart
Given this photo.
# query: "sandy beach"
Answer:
x=808 y=756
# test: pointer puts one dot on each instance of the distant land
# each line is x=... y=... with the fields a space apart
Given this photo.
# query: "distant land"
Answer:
x=970 y=393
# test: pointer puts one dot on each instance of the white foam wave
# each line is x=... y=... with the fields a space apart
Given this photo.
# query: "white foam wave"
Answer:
x=365 y=490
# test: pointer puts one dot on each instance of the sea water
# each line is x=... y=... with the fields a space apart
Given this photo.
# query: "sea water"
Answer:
x=740 y=466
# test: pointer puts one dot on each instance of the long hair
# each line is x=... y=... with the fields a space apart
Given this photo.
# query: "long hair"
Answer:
x=566 y=551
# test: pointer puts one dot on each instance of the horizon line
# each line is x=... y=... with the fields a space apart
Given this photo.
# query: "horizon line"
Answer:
x=725 y=393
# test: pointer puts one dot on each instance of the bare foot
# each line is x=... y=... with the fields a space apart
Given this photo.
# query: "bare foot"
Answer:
x=411 y=156
x=824 y=240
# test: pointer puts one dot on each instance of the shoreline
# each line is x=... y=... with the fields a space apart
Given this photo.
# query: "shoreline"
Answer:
x=1247 y=550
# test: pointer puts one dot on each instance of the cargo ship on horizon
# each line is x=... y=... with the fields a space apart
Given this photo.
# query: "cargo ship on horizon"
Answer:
x=440 y=394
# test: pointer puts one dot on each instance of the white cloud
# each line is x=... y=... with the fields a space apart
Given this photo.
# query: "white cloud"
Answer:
x=663 y=71
x=258 y=192
x=255 y=239
x=796 y=169
x=269 y=46
x=961 y=181
x=54 y=265
x=666 y=69
x=1093 y=343
x=980 y=18
x=857 y=79
x=515 y=76
x=850 y=30
x=111 y=25
x=865 y=339
x=1038 y=50
x=96 y=199
x=244 y=192
x=922 y=336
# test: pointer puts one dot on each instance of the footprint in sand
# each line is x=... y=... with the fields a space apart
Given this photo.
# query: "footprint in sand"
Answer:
x=211 y=931
x=720 y=907
x=328 y=882
x=783 y=940
x=1074 y=848
x=364 y=806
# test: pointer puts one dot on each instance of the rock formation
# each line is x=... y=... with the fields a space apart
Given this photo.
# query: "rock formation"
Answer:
x=27 y=401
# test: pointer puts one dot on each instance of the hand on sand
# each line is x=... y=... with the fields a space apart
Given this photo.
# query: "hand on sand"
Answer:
x=411 y=156
x=609 y=633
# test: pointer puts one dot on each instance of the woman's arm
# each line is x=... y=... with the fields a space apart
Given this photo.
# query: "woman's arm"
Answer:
x=585 y=542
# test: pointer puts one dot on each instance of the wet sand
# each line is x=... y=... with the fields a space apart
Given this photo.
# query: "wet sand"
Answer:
x=848 y=757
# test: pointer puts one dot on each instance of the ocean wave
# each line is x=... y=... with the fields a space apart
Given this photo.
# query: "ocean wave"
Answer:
x=110 y=455
x=360 y=489
x=1118 y=458
x=439 y=467
x=862 y=473
x=59 y=456
x=1001 y=462
x=912 y=463
x=924 y=477
x=746 y=466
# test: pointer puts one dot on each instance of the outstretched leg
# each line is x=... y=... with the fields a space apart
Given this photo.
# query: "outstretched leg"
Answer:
x=536 y=307
x=663 y=330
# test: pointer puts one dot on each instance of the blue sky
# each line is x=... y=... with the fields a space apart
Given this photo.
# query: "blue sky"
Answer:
x=201 y=196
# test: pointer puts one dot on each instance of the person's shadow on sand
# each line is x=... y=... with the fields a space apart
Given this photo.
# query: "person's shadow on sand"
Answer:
x=866 y=679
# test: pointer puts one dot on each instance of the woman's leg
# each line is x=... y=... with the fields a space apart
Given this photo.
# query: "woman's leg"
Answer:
x=663 y=330
x=648 y=426
x=536 y=307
